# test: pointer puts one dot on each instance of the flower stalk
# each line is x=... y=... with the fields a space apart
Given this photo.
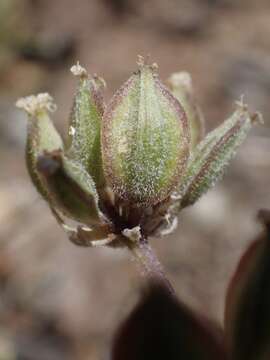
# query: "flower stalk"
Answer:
x=146 y=258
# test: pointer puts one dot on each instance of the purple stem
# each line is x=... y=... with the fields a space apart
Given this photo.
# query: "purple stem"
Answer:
x=148 y=261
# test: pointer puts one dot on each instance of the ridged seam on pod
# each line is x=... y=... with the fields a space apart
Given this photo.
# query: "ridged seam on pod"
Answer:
x=41 y=133
x=85 y=121
x=145 y=139
x=213 y=154
x=72 y=189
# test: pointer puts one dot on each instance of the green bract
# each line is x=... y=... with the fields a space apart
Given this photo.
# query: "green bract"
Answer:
x=129 y=168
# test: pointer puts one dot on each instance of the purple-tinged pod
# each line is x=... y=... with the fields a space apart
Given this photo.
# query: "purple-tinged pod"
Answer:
x=145 y=139
x=181 y=85
x=247 y=312
x=85 y=122
x=213 y=154
x=41 y=134
x=72 y=190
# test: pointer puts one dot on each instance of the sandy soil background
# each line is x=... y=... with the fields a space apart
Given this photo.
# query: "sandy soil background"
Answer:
x=62 y=302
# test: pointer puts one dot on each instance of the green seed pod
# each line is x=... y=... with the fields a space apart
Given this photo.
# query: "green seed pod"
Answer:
x=247 y=315
x=85 y=121
x=145 y=139
x=41 y=134
x=71 y=188
x=212 y=155
x=181 y=86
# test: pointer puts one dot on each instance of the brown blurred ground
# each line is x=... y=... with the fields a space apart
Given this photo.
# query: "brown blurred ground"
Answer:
x=62 y=302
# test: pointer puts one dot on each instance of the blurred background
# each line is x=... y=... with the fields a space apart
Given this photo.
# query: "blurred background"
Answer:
x=62 y=302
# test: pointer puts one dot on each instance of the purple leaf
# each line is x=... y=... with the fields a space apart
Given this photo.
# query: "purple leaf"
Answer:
x=161 y=327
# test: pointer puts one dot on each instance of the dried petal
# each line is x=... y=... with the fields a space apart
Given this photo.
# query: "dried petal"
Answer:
x=41 y=134
x=145 y=139
x=71 y=188
x=247 y=316
x=84 y=130
x=101 y=235
x=181 y=86
x=212 y=155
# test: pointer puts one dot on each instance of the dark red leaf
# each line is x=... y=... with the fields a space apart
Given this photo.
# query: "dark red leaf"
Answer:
x=160 y=327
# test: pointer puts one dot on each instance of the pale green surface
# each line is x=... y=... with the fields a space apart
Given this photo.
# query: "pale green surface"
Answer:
x=41 y=136
x=181 y=85
x=84 y=129
x=146 y=141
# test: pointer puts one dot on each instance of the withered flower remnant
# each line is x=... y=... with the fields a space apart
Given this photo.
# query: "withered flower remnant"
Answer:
x=127 y=169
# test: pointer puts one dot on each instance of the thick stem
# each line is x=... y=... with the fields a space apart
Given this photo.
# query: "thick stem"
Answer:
x=149 y=262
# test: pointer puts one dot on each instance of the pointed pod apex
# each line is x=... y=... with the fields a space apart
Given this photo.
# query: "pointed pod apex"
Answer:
x=79 y=71
x=35 y=104
x=142 y=62
x=241 y=105
x=145 y=139
x=256 y=118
